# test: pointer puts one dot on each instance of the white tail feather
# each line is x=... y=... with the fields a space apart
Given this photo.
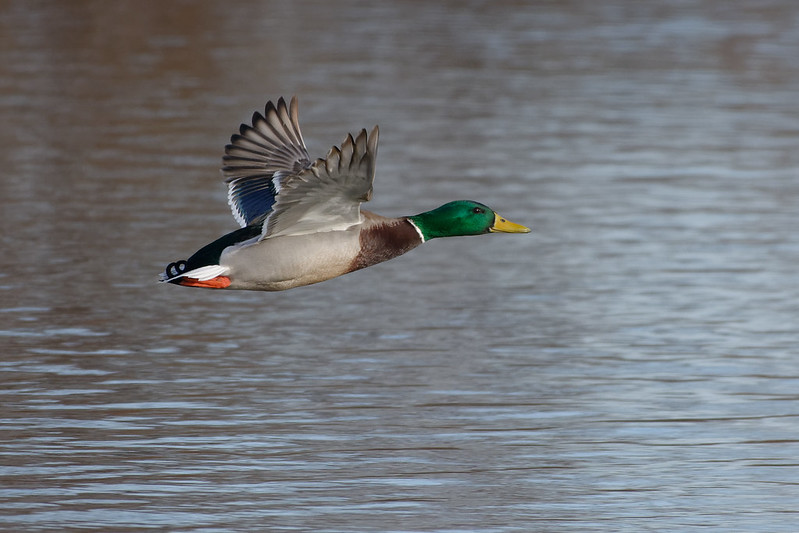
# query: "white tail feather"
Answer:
x=207 y=272
x=202 y=274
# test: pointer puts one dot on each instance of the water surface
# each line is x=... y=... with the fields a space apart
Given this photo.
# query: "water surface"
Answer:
x=628 y=366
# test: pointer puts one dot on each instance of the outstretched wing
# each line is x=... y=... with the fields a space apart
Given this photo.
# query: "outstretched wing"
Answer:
x=328 y=194
x=260 y=157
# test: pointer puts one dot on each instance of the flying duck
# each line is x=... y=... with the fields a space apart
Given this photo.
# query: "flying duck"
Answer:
x=301 y=219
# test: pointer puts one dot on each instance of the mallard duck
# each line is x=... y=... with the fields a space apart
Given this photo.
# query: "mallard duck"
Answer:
x=301 y=220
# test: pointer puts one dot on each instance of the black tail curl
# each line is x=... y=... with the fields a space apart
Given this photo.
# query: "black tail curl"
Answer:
x=210 y=253
x=173 y=270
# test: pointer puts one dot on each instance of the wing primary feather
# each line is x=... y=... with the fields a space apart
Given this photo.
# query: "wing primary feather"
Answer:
x=285 y=119
x=347 y=148
x=276 y=124
x=260 y=157
x=261 y=124
x=294 y=115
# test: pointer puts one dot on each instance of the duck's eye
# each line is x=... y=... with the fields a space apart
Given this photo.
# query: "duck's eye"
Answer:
x=478 y=210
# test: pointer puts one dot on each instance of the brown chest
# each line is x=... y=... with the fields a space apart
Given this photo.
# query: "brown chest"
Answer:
x=385 y=240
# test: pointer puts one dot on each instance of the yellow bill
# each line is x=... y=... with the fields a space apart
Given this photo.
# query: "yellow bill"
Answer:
x=506 y=226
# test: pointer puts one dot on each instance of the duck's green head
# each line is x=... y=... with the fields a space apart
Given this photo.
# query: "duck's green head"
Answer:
x=463 y=217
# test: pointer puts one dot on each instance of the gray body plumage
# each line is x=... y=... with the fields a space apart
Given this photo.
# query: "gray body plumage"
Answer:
x=280 y=263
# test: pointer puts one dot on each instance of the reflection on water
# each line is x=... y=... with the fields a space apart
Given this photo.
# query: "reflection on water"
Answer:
x=628 y=366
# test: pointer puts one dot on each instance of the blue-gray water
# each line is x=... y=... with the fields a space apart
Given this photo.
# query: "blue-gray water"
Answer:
x=631 y=365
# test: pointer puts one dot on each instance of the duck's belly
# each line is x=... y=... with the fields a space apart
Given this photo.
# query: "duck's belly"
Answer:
x=281 y=263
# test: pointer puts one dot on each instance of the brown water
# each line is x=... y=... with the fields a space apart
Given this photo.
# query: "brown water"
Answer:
x=629 y=366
